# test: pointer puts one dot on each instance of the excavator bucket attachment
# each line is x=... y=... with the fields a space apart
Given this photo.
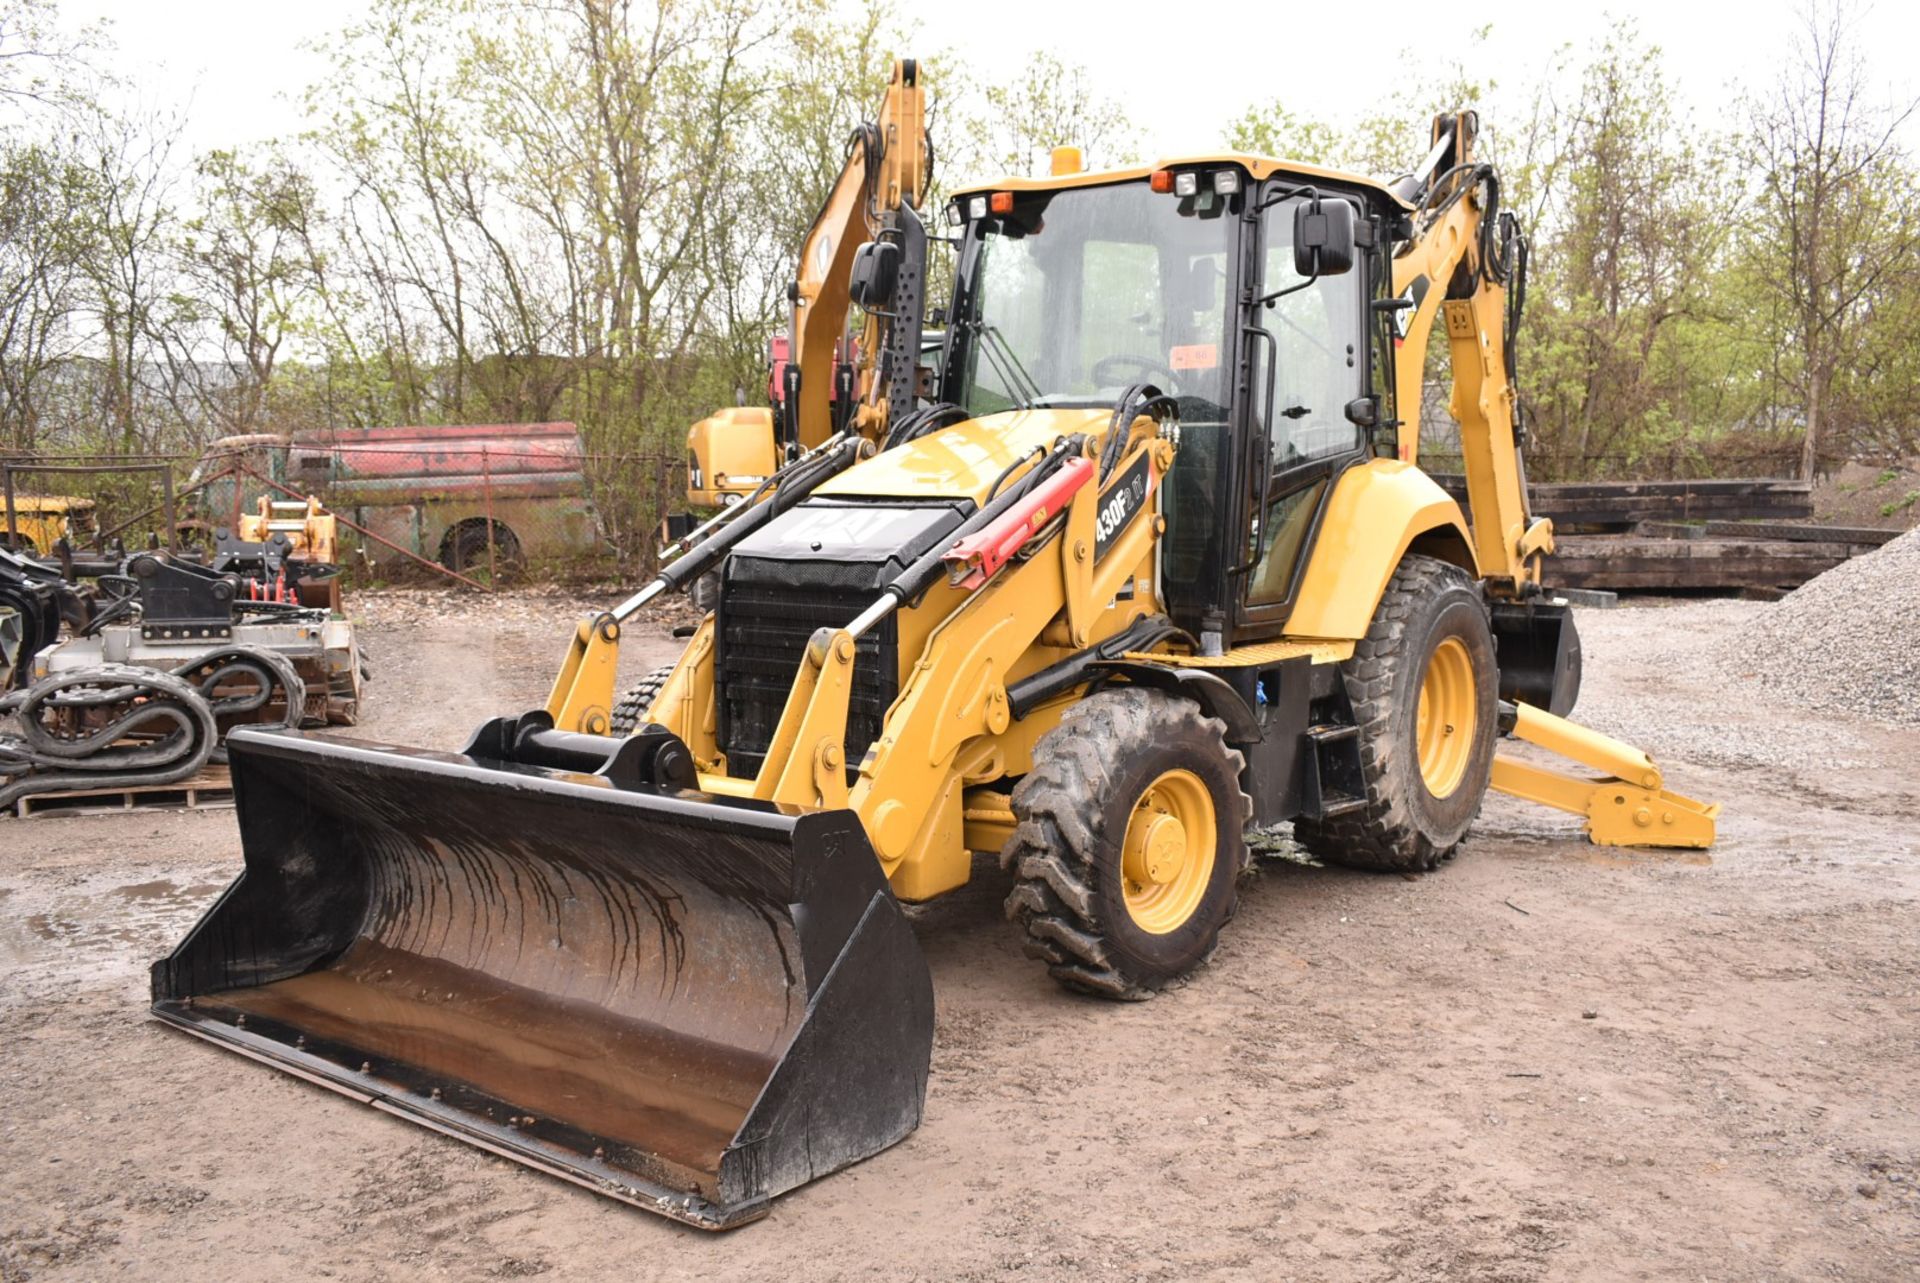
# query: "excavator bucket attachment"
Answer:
x=688 y=1003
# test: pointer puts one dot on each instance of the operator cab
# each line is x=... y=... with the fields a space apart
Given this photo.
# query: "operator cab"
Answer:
x=1242 y=290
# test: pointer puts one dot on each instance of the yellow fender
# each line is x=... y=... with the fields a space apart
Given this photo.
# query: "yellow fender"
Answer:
x=1379 y=511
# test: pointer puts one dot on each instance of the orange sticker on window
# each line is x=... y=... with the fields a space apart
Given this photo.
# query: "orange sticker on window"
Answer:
x=1198 y=356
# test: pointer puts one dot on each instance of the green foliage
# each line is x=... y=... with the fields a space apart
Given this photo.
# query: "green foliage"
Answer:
x=1625 y=249
x=1663 y=336
x=1274 y=130
x=49 y=232
x=548 y=209
x=1048 y=104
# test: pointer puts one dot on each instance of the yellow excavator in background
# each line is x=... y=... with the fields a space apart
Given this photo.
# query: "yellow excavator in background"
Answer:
x=825 y=382
x=1151 y=563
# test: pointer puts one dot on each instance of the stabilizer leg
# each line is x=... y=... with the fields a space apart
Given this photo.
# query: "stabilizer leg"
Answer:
x=1626 y=806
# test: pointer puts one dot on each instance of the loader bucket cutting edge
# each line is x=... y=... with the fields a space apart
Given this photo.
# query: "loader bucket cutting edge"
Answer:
x=688 y=1003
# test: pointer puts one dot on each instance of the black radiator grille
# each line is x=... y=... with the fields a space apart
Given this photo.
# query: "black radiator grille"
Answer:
x=763 y=629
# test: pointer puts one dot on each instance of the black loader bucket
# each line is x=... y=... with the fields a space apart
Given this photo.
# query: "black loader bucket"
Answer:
x=688 y=1003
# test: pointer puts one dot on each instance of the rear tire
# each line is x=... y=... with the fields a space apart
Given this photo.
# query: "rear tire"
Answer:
x=1430 y=643
x=1130 y=843
x=634 y=704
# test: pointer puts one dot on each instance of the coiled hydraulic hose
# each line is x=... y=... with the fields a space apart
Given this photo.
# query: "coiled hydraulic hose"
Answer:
x=120 y=726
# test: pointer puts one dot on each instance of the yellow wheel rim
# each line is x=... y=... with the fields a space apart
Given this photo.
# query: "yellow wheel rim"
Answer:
x=1167 y=856
x=1447 y=719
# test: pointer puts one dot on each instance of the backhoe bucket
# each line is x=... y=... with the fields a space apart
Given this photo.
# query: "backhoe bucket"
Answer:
x=688 y=1003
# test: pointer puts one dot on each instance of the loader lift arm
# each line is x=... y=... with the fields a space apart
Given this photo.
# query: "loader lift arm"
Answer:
x=583 y=690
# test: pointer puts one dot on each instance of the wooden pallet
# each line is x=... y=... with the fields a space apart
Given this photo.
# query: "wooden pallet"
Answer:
x=211 y=789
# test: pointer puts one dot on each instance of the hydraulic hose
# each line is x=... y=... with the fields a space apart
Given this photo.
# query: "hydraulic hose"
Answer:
x=1141 y=398
x=922 y=574
x=794 y=482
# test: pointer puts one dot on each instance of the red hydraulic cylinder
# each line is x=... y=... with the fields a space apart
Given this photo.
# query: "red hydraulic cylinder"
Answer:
x=979 y=556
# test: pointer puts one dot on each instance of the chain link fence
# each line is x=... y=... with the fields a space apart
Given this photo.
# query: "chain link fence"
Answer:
x=520 y=504
x=90 y=501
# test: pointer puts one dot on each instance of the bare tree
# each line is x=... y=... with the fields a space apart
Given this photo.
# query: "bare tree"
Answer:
x=48 y=235
x=131 y=156
x=1049 y=104
x=1835 y=219
x=250 y=263
x=42 y=64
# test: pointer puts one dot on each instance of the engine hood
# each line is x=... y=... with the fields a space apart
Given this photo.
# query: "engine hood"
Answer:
x=963 y=461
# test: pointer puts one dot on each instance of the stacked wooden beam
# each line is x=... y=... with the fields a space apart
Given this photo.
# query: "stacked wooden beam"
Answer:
x=1664 y=564
x=1624 y=504
x=1667 y=536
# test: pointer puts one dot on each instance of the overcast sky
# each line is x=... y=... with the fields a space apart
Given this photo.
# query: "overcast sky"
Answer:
x=1183 y=72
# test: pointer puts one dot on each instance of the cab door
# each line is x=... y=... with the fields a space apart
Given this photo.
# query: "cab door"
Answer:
x=1309 y=362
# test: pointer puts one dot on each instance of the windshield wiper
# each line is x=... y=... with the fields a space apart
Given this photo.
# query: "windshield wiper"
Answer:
x=1000 y=355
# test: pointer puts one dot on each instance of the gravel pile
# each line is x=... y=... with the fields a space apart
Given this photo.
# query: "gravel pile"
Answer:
x=1846 y=641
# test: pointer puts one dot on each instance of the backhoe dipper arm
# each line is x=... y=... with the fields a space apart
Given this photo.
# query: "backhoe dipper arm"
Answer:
x=1461 y=261
x=1454 y=264
x=886 y=171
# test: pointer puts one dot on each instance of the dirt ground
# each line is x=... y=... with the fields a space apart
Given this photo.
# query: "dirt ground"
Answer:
x=1543 y=1062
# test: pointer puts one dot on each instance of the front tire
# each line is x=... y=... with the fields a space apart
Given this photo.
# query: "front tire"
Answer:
x=1424 y=689
x=1130 y=843
x=633 y=705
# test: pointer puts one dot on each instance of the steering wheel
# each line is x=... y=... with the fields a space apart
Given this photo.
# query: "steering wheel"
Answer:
x=1102 y=374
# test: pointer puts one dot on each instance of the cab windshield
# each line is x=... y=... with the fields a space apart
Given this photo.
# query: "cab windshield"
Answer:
x=1078 y=294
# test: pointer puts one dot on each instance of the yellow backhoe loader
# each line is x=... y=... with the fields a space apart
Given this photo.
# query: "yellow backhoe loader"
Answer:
x=1152 y=563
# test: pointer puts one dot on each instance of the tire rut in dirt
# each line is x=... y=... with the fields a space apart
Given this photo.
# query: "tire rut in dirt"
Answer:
x=1073 y=809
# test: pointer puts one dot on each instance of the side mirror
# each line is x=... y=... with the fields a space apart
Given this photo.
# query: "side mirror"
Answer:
x=1323 y=238
x=1363 y=412
x=876 y=270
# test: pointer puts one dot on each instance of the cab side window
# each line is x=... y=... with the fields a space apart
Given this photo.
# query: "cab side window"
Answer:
x=1317 y=329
